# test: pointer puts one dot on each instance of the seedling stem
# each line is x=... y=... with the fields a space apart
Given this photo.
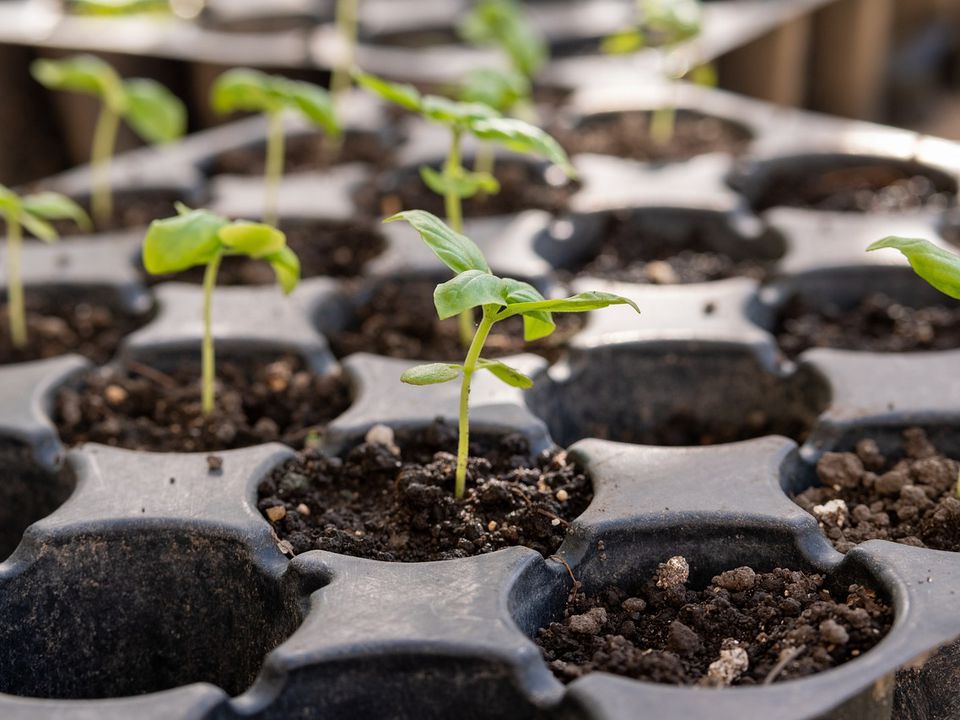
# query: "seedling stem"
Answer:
x=15 y=304
x=274 y=167
x=104 y=141
x=208 y=359
x=469 y=367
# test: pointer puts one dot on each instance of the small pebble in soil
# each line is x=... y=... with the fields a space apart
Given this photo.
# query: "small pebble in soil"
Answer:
x=745 y=628
x=907 y=497
x=390 y=498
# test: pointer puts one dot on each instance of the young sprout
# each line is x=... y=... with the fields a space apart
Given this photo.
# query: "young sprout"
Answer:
x=665 y=24
x=246 y=90
x=153 y=112
x=199 y=238
x=474 y=286
x=481 y=121
x=939 y=267
x=503 y=24
x=118 y=8
x=31 y=212
x=347 y=24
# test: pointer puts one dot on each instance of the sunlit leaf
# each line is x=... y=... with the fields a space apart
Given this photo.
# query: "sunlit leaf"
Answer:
x=182 y=242
x=82 y=73
x=406 y=96
x=431 y=374
x=155 y=113
x=465 y=184
x=254 y=239
x=507 y=374
x=38 y=227
x=469 y=289
x=54 y=206
x=934 y=264
x=456 y=251
x=522 y=137
x=286 y=266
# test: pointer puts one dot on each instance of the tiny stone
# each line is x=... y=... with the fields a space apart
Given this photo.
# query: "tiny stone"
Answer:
x=737 y=580
x=303 y=509
x=562 y=495
x=834 y=513
x=381 y=435
x=214 y=463
x=833 y=632
x=732 y=664
x=555 y=522
x=634 y=605
x=589 y=623
x=660 y=272
x=673 y=573
x=492 y=525
x=276 y=513
x=115 y=394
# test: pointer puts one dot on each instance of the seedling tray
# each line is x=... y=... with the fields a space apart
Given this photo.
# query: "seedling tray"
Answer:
x=145 y=584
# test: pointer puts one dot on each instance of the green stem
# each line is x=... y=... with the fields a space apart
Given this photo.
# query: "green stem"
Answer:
x=469 y=367
x=347 y=11
x=274 y=168
x=208 y=360
x=104 y=142
x=662 y=125
x=484 y=162
x=452 y=169
x=15 y=305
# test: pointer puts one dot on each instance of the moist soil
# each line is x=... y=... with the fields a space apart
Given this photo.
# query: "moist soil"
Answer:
x=626 y=255
x=57 y=326
x=400 y=320
x=394 y=502
x=130 y=210
x=303 y=153
x=907 y=497
x=325 y=248
x=627 y=135
x=142 y=408
x=523 y=186
x=745 y=628
x=872 y=187
x=877 y=324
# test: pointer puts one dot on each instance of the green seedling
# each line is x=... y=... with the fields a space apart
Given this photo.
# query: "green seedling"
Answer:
x=33 y=213
x=198 y=238
x=246 y=90
x=119 y=8
x=474 y=286
x=665 y=24
x=153 y=112
x=481 y=121
x=938 y=267
x=503 y=24
x=347 y=25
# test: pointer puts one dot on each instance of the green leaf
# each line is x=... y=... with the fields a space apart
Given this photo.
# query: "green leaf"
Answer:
x=503 y=23
x=54 y=206
x=431 y=374
x=504 y=372
x=38 y=227
x=315 y=104
x=244 y=90
x=935 y=265
x=581 y=302
x=704 y=75
x=286 y=266
x=406 y=96
x=115 y=8
x=499 y=89
x=182 y=242
x=9 y=201
x=456 y=251
x=522 y=137
x=255 y=240
x=465 y=184
x=671 y=22
x=155 y=113
x=469 y=289
x=82 y=73
x=622 y=42
x=536 y=323
x=450 y=112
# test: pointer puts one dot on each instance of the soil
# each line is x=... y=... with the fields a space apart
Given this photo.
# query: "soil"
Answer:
x=56 y=326
x=908 y=497
x=143 y=408
x=303 y=153
x=745 y=628
x=523 y=186
x=131 y=210
x=627 y=254
x=394 y=502
x=627 y=135
x=877 y=324
x=400 y=320
x=325 y=248
x=870 y=187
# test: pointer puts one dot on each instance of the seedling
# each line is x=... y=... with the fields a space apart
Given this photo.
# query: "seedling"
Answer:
x=474 y=286
x=31 y=212
x=482 y=122
x=503 y=24
x=665 y=24
x=939 y=267
x=153 y=112
x=119 y=8
x=248 y=90
x=197 y=238
x=346 y=25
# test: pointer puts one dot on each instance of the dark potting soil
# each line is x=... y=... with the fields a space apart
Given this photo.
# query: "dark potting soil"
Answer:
x=628 y=255
x=522 y=187
x=143 y=408
x=395 y=502
x=877 y=324
x=328 y=248
x=56 y=326
x=870 y=187
x=745 y=628
x=627 y=135
x=400 y=320
x=909 y=497
x=130 y=210
x=303 y=153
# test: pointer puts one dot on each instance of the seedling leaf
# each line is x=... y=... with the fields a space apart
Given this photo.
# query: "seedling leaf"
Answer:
x=582 y=302
x=155 y=113
x=469 y=289
x=500 y=89
x=286 y=266
x=522 y=137
x=466 y=184
x=316 y=105
x=935 y=265
x=431 y=374
x=406 y=96
x=450 y=112
x=253 y=239
x=38 y=227
x=81 y=73
x=54 y=206
x=182 y=242
x=507 y=374
x=456 y=251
